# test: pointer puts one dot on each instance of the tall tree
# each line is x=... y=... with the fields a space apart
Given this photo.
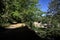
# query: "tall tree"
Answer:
x=54 y=7
x=54 y=11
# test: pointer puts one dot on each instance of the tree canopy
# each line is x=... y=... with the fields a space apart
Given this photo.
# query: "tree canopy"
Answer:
x=54 y=8
x=17 y=10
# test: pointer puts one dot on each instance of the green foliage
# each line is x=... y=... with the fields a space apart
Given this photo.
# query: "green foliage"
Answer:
x=48 y=33
x=54 y=11
x=38 y=15
x=18 y=10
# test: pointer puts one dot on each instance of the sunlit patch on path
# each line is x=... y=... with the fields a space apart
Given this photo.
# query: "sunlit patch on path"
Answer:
x=16 y=25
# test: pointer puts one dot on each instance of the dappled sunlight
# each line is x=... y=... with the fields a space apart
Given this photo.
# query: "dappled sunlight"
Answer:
x=11 y=26
x=42 y=16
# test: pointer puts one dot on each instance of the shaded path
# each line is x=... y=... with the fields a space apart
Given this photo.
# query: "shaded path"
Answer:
x=23 y=33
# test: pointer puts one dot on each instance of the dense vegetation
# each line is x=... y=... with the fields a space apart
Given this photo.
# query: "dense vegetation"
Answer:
x=25 y=11
x=17 y=11
x=52 y=17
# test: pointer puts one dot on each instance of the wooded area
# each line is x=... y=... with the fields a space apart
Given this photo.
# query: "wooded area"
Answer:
x=26 y=11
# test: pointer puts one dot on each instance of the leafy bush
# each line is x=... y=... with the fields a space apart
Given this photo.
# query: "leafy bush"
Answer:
x=49 y=33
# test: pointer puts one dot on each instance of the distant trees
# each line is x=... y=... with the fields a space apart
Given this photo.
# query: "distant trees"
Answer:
x=54 y=7
x=54 y=12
